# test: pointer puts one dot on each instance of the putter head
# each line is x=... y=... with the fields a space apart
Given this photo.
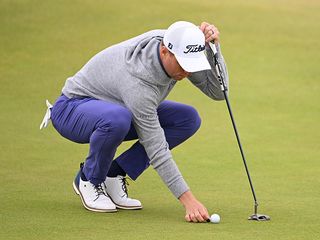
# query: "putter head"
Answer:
x=259 y=217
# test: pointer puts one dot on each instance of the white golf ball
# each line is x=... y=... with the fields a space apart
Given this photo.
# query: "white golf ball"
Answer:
x=215 y=218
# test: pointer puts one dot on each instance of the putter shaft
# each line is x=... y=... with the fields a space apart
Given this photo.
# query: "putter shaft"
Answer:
x=224 y=89
x=242 y=153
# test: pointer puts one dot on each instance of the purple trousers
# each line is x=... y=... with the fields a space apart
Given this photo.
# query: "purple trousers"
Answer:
x=105 y=125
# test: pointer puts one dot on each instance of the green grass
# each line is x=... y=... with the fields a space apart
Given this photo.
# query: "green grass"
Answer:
x=272 y=51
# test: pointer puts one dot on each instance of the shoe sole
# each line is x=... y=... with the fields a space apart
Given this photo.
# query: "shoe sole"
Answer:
x=75 y=188
x=126 y=207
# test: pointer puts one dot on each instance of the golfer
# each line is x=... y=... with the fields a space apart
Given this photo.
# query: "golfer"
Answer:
x=119 y=95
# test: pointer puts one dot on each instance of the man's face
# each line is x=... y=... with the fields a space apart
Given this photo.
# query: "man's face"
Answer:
x=176 y=71
x=172 y=66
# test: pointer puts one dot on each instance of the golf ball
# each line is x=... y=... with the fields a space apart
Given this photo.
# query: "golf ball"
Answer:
x=215 y=218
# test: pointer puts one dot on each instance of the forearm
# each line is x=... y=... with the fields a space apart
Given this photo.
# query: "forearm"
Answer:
x=207 y=81
x=171 y=176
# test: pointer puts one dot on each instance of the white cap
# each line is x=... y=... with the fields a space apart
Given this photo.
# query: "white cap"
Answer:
x=187 y=42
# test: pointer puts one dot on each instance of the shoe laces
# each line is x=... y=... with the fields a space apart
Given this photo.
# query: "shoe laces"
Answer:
x=124 y=183
x=99 y=191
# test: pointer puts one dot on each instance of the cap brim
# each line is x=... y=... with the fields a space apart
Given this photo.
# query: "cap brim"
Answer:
x=194 y=64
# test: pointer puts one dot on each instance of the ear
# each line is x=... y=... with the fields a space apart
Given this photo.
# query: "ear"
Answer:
x=163 y=50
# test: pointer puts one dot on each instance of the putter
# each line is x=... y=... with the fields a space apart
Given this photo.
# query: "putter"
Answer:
x=224 y=88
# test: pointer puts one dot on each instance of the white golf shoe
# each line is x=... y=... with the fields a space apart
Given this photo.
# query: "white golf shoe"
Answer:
x=116 y=188
x=93 y=197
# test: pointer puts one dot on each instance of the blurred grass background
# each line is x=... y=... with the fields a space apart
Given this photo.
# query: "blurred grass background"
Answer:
x=272 y=52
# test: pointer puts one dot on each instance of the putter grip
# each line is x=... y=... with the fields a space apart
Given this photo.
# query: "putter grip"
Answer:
x=218 y=67
x=213 y=47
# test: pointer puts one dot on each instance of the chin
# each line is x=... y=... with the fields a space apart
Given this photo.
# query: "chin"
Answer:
x=178 y=78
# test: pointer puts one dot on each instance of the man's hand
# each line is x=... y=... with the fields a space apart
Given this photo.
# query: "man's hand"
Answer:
x=210 y=32
x=195 y=211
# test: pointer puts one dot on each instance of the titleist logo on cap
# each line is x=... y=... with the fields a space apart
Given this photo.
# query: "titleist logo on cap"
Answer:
x=194 y=48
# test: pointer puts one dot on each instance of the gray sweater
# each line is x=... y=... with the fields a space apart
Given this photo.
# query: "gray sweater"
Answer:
x=131 y=74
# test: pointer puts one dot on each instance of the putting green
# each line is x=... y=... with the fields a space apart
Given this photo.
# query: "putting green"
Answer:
x=272 y=51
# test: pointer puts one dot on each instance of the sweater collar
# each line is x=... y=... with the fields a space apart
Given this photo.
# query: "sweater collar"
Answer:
x=158 y=54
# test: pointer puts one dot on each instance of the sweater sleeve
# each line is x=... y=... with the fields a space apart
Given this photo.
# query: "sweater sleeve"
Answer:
x=207 y=80
x=142 y=102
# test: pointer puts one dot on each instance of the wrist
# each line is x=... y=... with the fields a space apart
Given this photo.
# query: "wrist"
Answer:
x=186 y=197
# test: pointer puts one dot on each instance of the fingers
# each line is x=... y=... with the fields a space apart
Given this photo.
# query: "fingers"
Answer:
x=205 y=215
x=210 y=32
x=197 y=216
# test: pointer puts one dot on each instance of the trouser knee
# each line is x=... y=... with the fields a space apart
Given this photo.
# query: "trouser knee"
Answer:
x=116 y=123
x=192 y=120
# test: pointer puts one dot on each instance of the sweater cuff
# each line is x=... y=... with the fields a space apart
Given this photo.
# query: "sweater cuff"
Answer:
x=178 y=187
